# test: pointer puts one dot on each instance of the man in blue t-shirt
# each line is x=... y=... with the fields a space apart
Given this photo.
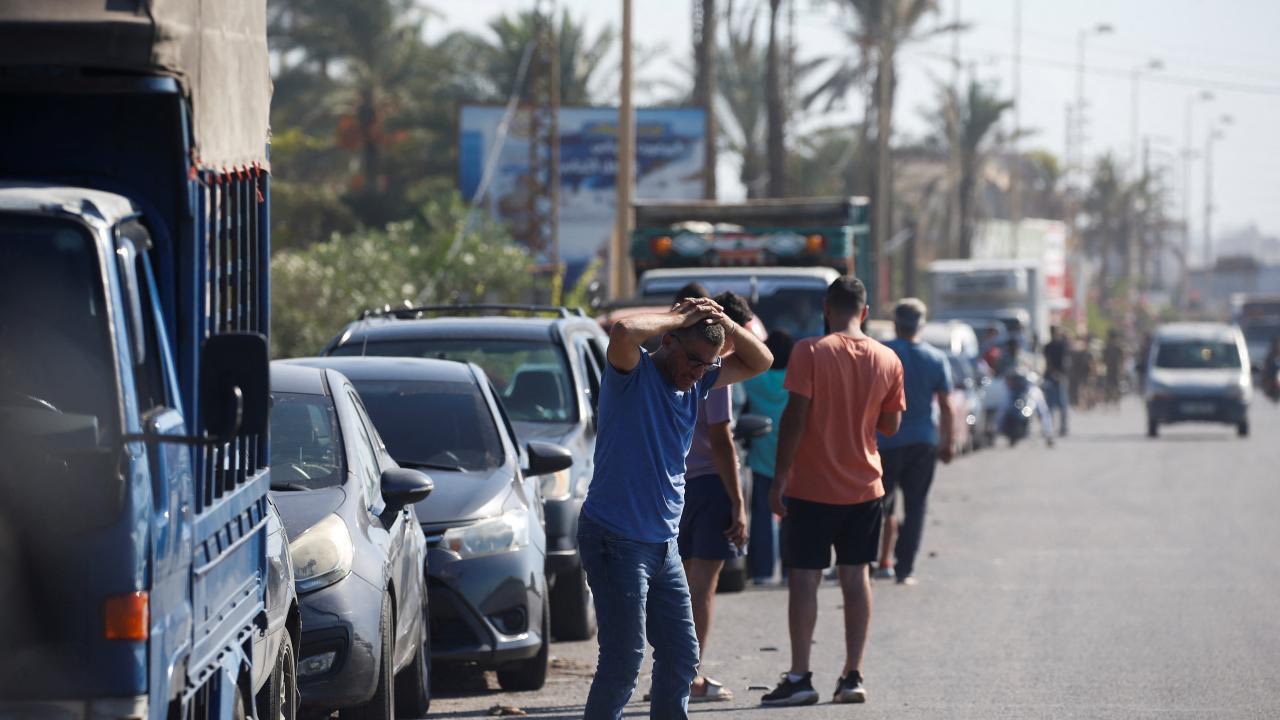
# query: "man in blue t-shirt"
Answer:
x=911 y=456
x=630 y=519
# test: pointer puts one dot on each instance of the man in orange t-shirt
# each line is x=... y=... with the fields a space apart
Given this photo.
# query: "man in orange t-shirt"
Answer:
x=844 y=387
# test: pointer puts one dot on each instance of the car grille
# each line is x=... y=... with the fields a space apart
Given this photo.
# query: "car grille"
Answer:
x=452 y=624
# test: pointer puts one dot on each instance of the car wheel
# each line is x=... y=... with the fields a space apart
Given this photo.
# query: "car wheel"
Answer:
x=383 y=703
x=1242 y=430
x=573 y=610
x=413 y=684
x=1153 y=427
x=530 y=674
x=278 y=700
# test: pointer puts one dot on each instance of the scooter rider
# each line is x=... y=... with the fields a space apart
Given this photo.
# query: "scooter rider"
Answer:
x=1021 y=384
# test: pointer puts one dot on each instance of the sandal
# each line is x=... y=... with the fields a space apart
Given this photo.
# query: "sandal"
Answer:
x=713 y=691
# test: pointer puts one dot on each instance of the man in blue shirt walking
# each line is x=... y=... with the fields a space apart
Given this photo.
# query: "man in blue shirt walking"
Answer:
x=630 y=519
x=911 y=456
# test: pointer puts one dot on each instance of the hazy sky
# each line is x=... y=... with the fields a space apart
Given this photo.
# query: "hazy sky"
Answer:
x=1227 y=46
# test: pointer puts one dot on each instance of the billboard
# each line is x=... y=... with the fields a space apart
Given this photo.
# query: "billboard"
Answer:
x=669 y=165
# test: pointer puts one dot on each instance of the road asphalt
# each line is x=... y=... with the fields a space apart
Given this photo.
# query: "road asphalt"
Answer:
x=1114 y=576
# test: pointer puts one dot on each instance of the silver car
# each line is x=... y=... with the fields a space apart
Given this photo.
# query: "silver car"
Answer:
x=1198 y=372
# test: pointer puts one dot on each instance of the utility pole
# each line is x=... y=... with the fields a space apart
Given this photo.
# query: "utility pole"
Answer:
x=1188 y=154
x=884 y=181
x=705 y=89
x=1135 y=81
x=1214 y=134
x=1015 y=165
x=620 y=266
x=956 y=168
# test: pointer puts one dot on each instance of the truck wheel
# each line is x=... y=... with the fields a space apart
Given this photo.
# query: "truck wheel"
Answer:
x=573 y=610
x=1242 y=430
x=530 y=674
x=278 y=700
x=383 y=703
x=1153 y=427
x=413 y=684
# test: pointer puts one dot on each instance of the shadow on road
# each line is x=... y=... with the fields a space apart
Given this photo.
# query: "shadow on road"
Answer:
x=1165 y=436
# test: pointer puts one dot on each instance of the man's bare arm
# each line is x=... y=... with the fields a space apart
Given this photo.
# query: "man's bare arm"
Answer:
x=889 y=422
x=750 y=357
x=946 y=426
x=791 y=428
x=725 y=455
x=629 y=333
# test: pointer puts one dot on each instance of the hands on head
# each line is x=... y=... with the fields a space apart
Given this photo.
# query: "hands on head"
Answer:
x=697 y=310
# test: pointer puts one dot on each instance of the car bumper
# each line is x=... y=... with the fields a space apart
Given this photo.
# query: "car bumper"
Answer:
x=486 y=610
x=562 y=535
x=342 y=619
x=126 y=708
x=1197 y=409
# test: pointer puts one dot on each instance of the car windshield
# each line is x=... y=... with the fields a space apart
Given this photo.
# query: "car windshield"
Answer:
x=433 y=424
x=1261 y=334
x=531 y=376
x=306 y=448
x=57 y=377
x=1197 y=355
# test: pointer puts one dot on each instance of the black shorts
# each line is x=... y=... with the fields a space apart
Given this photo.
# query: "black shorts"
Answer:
x=813 y=528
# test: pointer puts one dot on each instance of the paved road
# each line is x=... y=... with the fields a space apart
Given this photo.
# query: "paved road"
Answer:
x=1112 y=577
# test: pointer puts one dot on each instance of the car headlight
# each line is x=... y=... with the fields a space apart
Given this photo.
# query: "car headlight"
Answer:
x=322 y=555
x=508 y=531
x=557 y=485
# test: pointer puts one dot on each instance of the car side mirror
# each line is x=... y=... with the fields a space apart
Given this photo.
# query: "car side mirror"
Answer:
x=751 y=426
x=402 y=487
x=546 y=458
x=234 y=382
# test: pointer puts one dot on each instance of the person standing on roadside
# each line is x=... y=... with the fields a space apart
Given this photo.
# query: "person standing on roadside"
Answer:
x=713 y=526
x=1056 y=354
x=910 y=457
x=844 y=387
x=629 y=522
x=767 y=397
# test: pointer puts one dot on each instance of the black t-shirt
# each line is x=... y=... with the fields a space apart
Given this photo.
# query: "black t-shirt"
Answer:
x=1055 y=356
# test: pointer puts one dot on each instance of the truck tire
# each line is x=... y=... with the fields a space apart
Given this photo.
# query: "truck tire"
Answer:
x=382 y=705
x=573 y=610
x=1242 y=430
x=530 y=674
x=278 y=699
x=733 y=577
x=1153 y=427
x=413 y=684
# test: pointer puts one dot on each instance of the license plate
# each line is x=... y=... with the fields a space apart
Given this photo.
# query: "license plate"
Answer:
x=1198 y=408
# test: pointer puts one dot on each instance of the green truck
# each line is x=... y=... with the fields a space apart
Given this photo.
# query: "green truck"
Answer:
x=781 y=254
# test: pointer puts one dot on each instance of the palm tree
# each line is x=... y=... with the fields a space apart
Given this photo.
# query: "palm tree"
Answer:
x=970 y=120
x=775 y=109
x=487 y=66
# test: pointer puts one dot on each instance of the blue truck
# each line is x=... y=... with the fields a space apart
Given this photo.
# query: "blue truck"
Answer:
x=134 y=205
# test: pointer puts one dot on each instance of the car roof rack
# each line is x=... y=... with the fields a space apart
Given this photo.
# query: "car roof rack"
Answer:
x=418 y=311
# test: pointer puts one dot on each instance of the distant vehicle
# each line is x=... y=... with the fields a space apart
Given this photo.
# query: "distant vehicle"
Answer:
x=357 y=548
x=484 y=522
x=967 y=398
x=952 y=336
x=1010 y=291
x=789 y=298
x=794 y=232
x=1259 y=319
x=1015 y=422
x=881 y=330
x=546 y=363
x=1198 y=372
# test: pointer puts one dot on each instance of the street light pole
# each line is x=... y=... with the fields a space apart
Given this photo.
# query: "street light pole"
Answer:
x=1075 y=163
x=1187 y=155
x=1135 y=81
x=1215 y=133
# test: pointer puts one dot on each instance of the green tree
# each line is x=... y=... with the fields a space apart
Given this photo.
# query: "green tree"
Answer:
x=487 y=66
x=427 y=260
x=970 y=120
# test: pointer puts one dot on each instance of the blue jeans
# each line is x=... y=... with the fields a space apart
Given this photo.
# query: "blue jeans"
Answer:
x=1056 y=393
x=761 y=557
x=638 y=587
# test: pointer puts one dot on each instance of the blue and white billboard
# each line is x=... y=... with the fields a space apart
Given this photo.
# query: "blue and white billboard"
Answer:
x=669 y=165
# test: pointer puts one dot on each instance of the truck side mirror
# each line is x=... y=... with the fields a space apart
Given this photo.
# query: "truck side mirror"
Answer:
x=234 y=382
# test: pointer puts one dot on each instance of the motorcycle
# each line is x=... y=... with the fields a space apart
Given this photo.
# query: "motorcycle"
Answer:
x=1021 y=407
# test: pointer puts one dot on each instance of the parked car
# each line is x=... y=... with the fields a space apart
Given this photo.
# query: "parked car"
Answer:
x=357 y=547
x=546 y=364
x=966 y=405
x=275 y=651
x=1198 y=372
x=484 y=523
